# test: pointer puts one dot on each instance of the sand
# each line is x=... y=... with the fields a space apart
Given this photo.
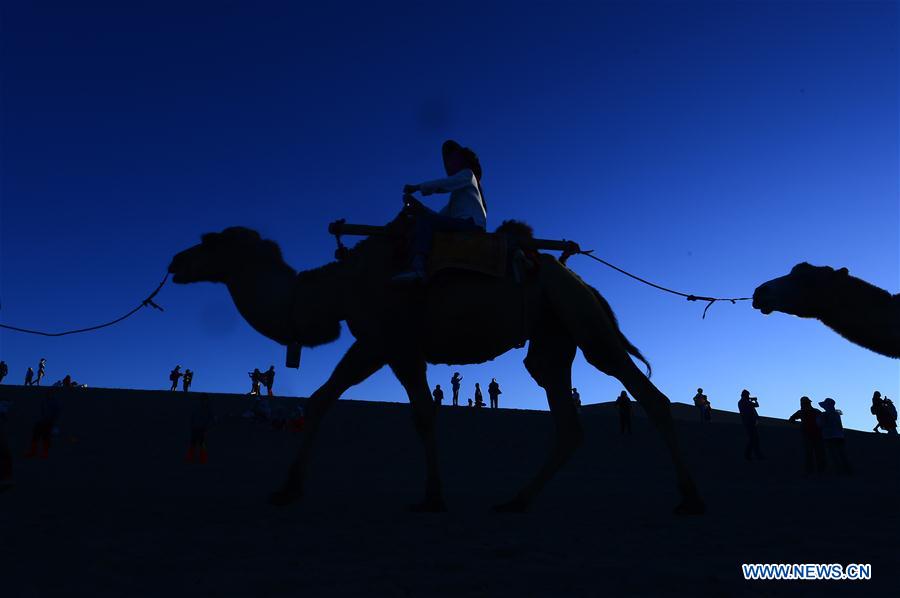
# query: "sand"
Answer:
x=116 y=512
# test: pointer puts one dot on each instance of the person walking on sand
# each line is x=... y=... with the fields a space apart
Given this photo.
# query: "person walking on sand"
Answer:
x=42 y=369
x=201 y=419
x=576 y=398
x=833 y=434
x=479 y=399
x=187 y=379
x=750 y=418
x=43 y=428
x=4 y=370
x=813 y=446
x=174 y=375
x=29 y=377
x=268 y=379
x=454 y=384
x=494 y=393
x=623 y=403
x=438 y=395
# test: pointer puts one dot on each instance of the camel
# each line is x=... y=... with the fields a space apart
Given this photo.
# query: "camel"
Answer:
x=860 y=312
x=459 y=317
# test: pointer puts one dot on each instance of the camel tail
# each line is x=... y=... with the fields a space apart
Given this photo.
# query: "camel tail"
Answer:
x=632 y=350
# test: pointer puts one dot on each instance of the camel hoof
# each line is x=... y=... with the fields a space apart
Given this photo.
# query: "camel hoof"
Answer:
x=429 y=506
x=516 y=505
x=283 y=498
x=692 y=506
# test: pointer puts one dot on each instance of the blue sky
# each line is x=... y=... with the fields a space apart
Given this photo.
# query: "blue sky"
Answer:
x=706 y=146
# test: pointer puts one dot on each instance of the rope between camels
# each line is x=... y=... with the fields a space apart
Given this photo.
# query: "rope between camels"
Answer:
x=688 y=296
x=148 y=302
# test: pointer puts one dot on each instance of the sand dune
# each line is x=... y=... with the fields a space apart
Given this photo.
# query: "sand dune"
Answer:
x=115 y=511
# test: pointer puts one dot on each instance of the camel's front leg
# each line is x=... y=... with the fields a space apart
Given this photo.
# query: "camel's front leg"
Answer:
x=411 y=373
x=357 y=364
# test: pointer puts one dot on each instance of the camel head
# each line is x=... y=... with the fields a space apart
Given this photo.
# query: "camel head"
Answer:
x=799 y=293
x=219 y=254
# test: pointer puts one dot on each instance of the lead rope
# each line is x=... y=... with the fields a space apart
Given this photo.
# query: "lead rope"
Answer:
x=148 y=302
x=575 y=250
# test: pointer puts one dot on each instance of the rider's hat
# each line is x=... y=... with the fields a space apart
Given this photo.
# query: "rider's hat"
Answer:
x=469 y=156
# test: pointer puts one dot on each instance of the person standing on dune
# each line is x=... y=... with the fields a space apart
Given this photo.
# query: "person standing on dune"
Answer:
x=812 y=436
x=4 y=370
x=186 y=381
x=749 y=417
x=454 y=384
x=833 y=434
x=174 y=375
x=479 y=399
x=624 y=405
x=42 y=369
x=29 y=377
x=268 y=378
x=494 y=393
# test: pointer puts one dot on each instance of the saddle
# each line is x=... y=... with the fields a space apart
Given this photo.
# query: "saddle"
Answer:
x=475 y=251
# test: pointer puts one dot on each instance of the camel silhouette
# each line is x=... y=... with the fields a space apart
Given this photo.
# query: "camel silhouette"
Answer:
x=860 y=312
x=457 y=318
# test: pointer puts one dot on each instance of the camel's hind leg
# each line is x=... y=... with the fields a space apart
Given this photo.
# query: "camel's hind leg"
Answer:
x=356 y=365
x=599 y=339
x=411 y=374
x=549 y=361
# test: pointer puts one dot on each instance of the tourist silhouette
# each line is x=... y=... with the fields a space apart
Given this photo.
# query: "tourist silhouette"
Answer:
x=704 y=408
x=454 y=384
x=494 y=393
x=747 y=406
x=42 y=369
x=29 y=377
x=174 y=375
x=4 y=370
x=576 y=398
x=889 y=416
x=268 y=378
x=623 y=403
x=201 y=418
x=255 y=380
x=43 y=427
x=470 y=402
x=438 y=395
x=187 y=379
x=813 y=446
x=876 y=410
x=465 y=211
x=833 y=434
x=479 y=399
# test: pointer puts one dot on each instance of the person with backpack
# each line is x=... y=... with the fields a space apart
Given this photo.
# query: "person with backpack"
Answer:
x=174 y=375
x=255 y=379
x=268 y=379
x=813 y=446
x=876 y=409
x=889 y=413
x=494 y=393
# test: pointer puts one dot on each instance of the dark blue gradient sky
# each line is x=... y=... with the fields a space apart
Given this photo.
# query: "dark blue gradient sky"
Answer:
x=706 y=146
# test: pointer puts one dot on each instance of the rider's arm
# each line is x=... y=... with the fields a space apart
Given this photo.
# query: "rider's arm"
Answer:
x=461 y=179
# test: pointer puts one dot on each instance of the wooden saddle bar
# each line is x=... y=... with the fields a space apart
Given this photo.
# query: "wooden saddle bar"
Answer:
x=340 y=227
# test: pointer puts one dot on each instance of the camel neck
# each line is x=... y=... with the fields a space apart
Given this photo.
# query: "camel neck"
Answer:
x=865 y=315
x=262 y=294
